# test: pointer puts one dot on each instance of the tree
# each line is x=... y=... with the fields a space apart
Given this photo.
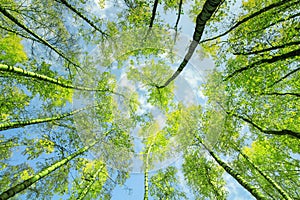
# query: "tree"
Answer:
x=73 y=72
x=207 y=11
x=28 y=182
x=163 y=185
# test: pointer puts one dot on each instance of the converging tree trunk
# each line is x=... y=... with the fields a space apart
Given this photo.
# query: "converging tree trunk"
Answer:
x=153 y=13
x=18 y=124
x=27 y=183
x=272 y=132
x=285 y=76
x=273 y=59
x=209 y=8
x=22 y=72
x=254 y=191
x=85 y=191
x=77 y=12
x=266 y=177
x=42 y=40
x=179 y=14
x=249 y=17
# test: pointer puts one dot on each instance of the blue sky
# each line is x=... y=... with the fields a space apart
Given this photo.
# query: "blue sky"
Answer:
x=193 y=76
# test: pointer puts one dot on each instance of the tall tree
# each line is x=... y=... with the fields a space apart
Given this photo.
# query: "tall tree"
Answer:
x=209 y=8
x=268 y=178
x=28 y=182
x=254 y=191
x=35 y=35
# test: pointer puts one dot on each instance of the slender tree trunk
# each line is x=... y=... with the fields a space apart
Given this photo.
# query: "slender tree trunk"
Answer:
x=268 y=178
x=281 y=94
x=249 y=17
x=208 y=9
x=42 y=40
x=290 y=54
x=254 y=191
x=18 y=33
x=153 y=13
x=85 y=191
x=146 y=182
x=22 y=72
x=268 y=49
x=77 y=12
x=18 y=124
x=284 y=77
x=179 y=14
x=272 y=132
x=146 y=173
x=27 y=183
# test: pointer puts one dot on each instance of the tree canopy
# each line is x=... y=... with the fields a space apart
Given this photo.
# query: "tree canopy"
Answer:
x=138 y=99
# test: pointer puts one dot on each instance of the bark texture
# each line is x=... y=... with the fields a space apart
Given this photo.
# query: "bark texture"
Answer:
x=22 y=72
x=27 y=183
x=209 y=8
x=254 y=191
x=35 y=35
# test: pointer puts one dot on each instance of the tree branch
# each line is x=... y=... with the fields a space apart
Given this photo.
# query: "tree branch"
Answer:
x=153 y=13
x=266 y=60
x=77 y=12
x=208 y=9
x=179 y=14
x=268 y=49
x=285 y=76
x=282 y=94
x=42 y=40
x=247 y=18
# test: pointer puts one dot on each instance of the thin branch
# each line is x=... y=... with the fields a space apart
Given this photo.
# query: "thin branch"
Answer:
x=266 y=60
x=18 y=33
x=208 y=9
x=77 y=12
x=153 y=13
x=268 y=49
x=285 y=76
x=272 y=132
x=42 y=40
x=179 y=14
x=282 y=94
x=247 y=18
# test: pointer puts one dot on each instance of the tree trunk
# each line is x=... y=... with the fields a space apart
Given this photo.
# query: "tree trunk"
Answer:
x=27 y=183
x=290 y=54
x=251 y=16
x=77 y=12
x=281 y=94
x=22 y=72
x=272 y=132
x=18 y=124
x=268 y=49
x=284 y=77
x=84 y=192
x=179 y=14
x=254 y=191
x=268 y=178
x=208 y=9
x=153 y=13
x=42 y=40
x=146 y=173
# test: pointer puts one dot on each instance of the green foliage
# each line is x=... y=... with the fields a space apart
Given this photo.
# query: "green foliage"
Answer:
x=203 y=176
x=12 y=51
x=253 y=92
x=164 y=185
x=151 y=75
